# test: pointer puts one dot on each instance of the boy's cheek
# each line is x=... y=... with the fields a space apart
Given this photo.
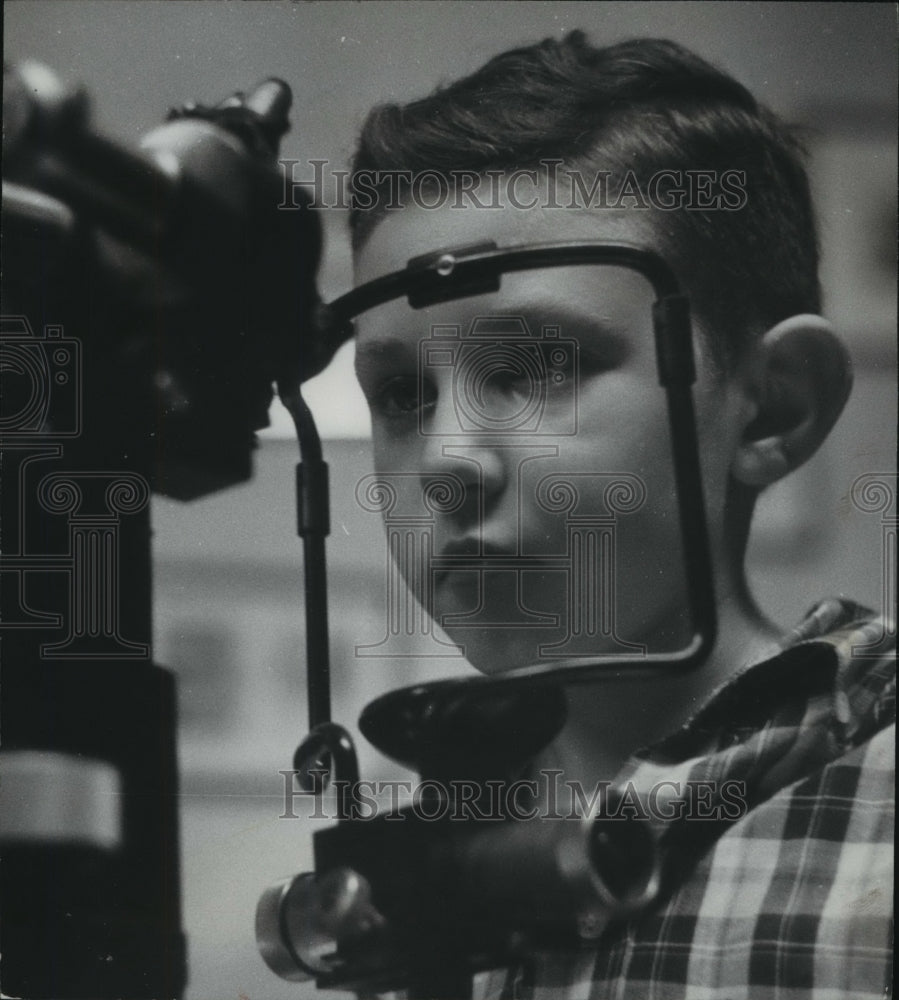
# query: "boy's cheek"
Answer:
x=397 y=449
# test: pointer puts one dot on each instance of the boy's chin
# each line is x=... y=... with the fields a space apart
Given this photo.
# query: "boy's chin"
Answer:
x=496 y=620
x=500 y=649
x=497 y=650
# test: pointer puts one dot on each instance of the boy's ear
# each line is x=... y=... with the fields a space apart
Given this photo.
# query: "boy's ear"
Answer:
x=800 y=376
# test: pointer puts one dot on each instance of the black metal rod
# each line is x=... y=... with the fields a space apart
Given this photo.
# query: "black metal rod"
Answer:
x=313 y=527
x=318 y=668
x=473 y=265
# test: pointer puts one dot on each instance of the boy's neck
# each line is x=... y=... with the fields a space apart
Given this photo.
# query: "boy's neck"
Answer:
x=611 y=718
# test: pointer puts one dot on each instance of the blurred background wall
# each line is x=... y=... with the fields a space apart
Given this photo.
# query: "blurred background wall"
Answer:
x=228 y=569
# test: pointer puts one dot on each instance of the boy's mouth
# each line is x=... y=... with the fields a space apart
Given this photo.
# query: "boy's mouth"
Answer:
x=489 y=580
x=472 y=553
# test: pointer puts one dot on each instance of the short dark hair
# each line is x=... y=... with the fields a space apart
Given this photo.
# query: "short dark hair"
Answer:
x=644 y=105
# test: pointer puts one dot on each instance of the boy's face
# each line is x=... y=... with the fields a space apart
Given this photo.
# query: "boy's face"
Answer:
x=557 y=533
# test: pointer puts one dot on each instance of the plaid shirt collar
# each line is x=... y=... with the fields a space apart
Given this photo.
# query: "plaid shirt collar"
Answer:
x=777 y=720
x=759 y=893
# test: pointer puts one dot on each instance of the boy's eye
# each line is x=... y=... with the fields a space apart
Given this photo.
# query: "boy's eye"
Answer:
x=509 y=378
x=403 y=395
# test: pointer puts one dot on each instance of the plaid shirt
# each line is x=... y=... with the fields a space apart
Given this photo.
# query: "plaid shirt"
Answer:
x=791 y=895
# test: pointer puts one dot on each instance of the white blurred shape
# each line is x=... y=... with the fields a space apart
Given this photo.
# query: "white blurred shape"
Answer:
x=336 y=402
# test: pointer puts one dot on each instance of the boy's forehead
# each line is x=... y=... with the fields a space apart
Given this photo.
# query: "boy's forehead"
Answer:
x=606 y=310
x=404 y=233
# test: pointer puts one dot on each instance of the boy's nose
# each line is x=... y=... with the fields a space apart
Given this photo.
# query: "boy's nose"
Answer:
x=477 y=460
x=478 y=464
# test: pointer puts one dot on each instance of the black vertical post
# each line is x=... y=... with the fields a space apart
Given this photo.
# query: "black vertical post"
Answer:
x=90 y=891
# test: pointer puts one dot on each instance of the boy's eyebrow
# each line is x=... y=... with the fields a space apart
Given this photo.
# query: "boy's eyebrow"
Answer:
x=374 y=350
x=543 y=313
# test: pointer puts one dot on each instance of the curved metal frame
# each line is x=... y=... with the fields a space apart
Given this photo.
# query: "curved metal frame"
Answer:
x=455 y=273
